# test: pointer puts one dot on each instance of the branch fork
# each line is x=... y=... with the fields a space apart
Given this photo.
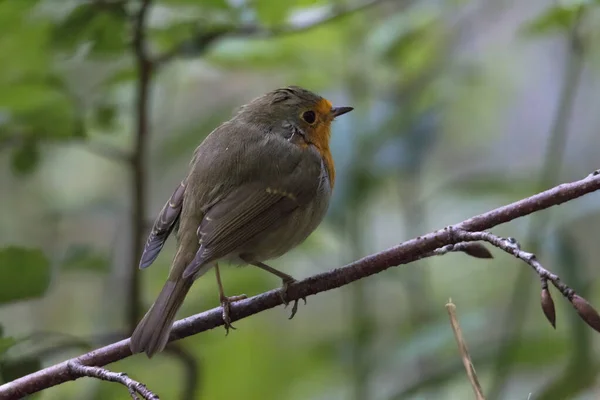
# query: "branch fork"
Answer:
x=510 y=245
x=77 y=370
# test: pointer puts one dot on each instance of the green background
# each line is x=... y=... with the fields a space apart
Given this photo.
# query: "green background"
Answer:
x=460 y=107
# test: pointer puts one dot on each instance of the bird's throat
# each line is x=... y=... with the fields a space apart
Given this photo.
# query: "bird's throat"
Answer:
x=320 y=139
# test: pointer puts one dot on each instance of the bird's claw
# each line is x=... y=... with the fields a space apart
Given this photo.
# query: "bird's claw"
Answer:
x=283 y=294
x=226 y=305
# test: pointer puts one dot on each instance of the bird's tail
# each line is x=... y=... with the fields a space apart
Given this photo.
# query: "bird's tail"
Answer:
x=152 y=333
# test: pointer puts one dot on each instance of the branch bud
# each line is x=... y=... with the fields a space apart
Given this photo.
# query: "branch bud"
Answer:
x=477 y=250
x=586 y=312
x=548 y=307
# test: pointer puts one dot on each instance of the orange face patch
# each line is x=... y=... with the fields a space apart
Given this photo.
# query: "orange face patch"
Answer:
x=323 y=108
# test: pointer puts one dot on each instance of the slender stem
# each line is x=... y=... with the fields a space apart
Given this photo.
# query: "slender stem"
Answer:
x=138 y=176
x=464 y=351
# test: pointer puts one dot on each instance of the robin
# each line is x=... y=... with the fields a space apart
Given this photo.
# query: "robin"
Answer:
x=257 y=187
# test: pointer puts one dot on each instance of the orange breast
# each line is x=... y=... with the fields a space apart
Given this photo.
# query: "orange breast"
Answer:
x=321 y=134
x=320 y=139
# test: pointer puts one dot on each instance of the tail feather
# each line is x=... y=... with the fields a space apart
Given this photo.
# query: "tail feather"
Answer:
x=152 y=333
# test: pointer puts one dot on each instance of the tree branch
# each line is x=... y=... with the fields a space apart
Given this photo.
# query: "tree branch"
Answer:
x=77 y=370
x=401 y=254
x=202 y=40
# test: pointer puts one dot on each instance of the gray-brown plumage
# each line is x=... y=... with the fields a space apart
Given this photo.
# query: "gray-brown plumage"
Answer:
x=258 y=185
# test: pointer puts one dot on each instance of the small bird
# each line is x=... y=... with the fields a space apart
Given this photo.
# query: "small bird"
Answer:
x=257 y=187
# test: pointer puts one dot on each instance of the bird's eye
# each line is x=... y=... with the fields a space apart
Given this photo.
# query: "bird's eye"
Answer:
x=309 y=116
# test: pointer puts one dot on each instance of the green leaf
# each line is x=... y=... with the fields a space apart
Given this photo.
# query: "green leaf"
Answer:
x=39 y=108
x=272 y=12
x=13 y=11
x=24 y=274
x=557 y=18
x=57 y=121
x=23 y=42
x=25 y=157
x=76 y=21
x=105 y=30
x=104 y=116
x=276 y=13
x=288 y=52
x=167 y=37
x=84 y=257
x=224 y=4
x=26 y=96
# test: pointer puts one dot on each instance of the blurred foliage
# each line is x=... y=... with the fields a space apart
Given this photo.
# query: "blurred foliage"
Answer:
x=25 y=274
x=426 y=146
x=84 y=256
x=560 y=16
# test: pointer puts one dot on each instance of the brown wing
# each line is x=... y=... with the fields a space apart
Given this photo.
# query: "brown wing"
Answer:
x=239 y=217
x=163 y=226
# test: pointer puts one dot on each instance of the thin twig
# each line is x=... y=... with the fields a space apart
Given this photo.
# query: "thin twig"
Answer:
x=77 y=370
x=201 y=41
x=138 y=163
x=464 y=351
x=403 y=253
x=511 y=246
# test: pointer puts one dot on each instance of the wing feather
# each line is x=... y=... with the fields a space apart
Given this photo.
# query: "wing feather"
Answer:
x=239 y=217
x=163 y=226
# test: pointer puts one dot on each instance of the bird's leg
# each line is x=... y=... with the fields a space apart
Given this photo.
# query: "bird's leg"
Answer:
x=286 y=281
x=226 y=301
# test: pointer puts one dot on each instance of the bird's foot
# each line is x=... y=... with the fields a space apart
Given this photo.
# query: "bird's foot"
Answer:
x=225 y=304
x=284 y=297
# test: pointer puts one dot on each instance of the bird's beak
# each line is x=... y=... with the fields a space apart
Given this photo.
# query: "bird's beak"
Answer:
x=337 y=111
